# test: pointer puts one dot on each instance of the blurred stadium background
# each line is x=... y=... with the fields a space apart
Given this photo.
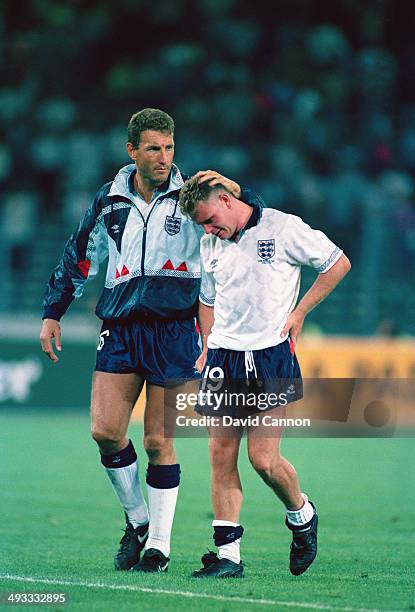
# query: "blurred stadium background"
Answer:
x=312 y=104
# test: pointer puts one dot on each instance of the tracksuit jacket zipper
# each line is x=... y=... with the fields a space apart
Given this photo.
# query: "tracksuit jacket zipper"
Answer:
x=145 y=224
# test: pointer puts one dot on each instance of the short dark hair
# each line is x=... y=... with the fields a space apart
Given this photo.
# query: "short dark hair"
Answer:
x=194 y=192
x=148 y=119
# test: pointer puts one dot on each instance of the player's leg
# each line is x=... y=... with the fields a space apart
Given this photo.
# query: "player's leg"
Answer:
x=226 y=491
x=113 y=399
x=226 y=487
x=280 y=475
x=163 y=474
x=265 y=457
x=167 y=352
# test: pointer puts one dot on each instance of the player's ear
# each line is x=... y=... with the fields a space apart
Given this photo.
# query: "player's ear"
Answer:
x=225 y=200
x=132 y=152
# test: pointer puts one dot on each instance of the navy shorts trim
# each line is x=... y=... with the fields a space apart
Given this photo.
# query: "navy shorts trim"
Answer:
x=245 y=381
x=162 y=352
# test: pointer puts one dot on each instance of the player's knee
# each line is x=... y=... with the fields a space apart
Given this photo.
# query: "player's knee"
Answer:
x=222 y=452
x=106 y=436
x=156 y=445
x=261 y=462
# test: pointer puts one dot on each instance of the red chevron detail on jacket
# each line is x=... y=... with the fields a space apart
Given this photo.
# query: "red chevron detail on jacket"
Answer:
x=123 y=272
x=182 y=267
x=168 y=265
x=84 y=267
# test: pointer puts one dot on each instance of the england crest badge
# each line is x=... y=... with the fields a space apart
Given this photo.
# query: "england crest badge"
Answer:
x=266 y=250
x=172 y=225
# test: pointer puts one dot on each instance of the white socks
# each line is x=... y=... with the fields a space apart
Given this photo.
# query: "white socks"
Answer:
x=229 y=551
x=301 y=516
x=126 y=483
x=122 y=469
x=162 y=488
x=162 y=505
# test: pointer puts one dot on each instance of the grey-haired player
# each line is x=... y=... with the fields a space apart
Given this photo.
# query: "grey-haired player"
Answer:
x=148 y=308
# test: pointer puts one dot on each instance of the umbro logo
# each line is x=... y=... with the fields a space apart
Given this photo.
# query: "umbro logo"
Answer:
x=214 y=263
x=116 y=459
x=231 y=536
x=115 y=228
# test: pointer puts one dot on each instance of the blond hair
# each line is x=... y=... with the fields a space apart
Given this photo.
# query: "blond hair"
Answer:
x=194 y=192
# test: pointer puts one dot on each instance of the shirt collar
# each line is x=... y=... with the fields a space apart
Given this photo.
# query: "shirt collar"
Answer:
x=254 y=219
x=123 y=184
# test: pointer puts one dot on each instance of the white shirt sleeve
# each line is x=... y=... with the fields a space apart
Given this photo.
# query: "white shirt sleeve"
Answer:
x=308 y=247
x=207 y=289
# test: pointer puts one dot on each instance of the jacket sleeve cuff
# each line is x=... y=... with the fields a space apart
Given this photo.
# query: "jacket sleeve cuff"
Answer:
x=51 y=313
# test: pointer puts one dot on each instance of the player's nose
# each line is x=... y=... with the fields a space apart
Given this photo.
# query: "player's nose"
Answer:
x=163 y=157
x=208 y=229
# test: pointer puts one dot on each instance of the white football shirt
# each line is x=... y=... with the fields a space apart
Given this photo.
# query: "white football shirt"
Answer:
x=254 y=283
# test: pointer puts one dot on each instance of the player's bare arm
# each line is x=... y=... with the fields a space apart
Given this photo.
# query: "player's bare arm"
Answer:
x=214 y=178
x=206 y=319
x=51 y=330
x=319 y=290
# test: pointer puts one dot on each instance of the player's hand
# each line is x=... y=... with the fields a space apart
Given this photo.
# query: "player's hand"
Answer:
x=214 y=178
x=293 y=326
x=201 y=361
x=50 y=329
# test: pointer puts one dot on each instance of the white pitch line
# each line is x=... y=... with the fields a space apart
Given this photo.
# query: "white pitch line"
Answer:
x=127 y=587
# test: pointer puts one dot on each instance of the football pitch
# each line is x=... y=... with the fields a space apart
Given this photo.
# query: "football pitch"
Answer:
x=61 y=523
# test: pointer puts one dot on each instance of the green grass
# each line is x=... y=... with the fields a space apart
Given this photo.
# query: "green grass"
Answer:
x=59 y=520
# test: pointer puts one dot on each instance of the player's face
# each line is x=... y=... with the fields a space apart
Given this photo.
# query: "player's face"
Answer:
x=217 y=217
x=153 y=156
